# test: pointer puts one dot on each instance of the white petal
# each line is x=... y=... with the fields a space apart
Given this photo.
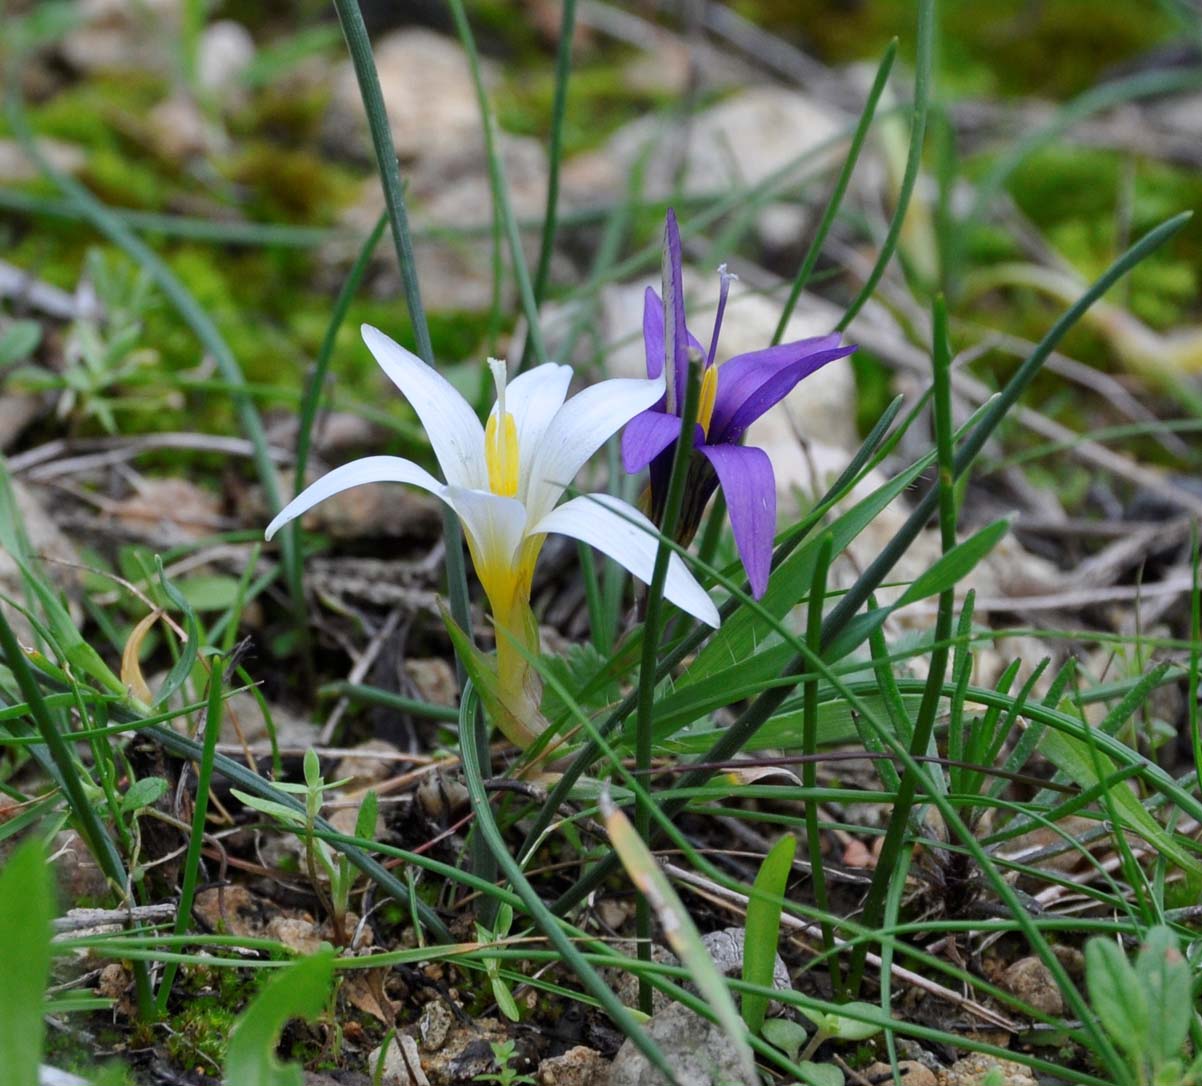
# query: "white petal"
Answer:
x=495 y=528
x=455 y=433
x=630 y=539
x=370 y=469
x=579 y=429
x=533 y=398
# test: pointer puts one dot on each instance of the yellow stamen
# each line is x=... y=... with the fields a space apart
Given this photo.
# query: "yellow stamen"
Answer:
x=709 y=396
x=501 y=441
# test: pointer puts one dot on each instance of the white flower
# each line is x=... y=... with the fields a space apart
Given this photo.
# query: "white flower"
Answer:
x=504 y=480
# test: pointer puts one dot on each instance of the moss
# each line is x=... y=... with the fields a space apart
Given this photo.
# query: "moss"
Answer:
x=291 y=184
x=1006 y=52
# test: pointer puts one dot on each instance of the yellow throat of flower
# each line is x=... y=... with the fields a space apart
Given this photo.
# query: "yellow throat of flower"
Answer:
x=709 y=396
x=501 y=441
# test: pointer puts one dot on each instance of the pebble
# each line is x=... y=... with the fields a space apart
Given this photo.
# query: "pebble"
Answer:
x=1032 y=982
x=699 y=1053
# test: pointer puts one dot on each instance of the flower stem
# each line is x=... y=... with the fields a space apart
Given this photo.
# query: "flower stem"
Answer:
x=651 y=648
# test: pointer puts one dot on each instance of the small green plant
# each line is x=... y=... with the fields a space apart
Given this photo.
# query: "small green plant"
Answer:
x=1146 y=1009
x=323 y=865
x=789 y=1037
x=103 y=350
x=500 y=989
x=505 y=1075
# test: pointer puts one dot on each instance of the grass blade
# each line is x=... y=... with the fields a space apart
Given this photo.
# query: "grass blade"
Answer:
x=25 y=914
x=678 y=927
x=763 y=927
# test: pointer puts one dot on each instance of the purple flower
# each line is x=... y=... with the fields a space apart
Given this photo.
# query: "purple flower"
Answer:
x=733 y=396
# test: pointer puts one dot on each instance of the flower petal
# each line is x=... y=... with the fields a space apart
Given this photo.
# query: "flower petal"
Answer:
x=653 y=332
x=675 y=334
x=751 y=384
x=455 y=433
x=533 y=398
x=370 y=469
x=581 y=427
x=495 y=528
x=745 y=474
x=645 y=437
x=630 y=539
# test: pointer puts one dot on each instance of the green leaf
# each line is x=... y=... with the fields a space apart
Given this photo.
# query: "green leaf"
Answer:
x=19 y=341
x=678 y=927
x=1116 y=995
x=785 y=1034
x=763 y=928
x=143 y=793
x=269 y=807
x=67 y=639
x=299 y=991
x=210 y=591
x=742 y=634
x=1074 y=757
x=955 y=565
x=843 y=1028
x=182 y=667
x=365 y=821
x=820 y=1074
x=25 y=913
x=1164 y=976
x=505 y=1001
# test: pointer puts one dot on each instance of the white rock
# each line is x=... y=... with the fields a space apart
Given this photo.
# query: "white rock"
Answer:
x=698 y=1052
x=738 y=142
x=15 y=166
x=400 y=1070
x=123 y=34
x=428 y=92
x=226 y=51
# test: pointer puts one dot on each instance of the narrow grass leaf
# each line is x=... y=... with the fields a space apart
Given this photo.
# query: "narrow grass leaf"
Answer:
x=763 y=927
x=678 y=927
x=25 y=914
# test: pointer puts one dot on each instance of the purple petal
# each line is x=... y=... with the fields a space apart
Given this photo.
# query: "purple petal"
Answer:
x=745 y=474
x=675 y=333
x=646 y=436
x=653 y=332
x=751 y=384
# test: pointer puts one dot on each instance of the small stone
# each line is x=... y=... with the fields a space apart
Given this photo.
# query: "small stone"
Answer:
x=435 y=1024
x=364 y=770
x=233 y=910
x=296 y=932
x=16 y=167
x=434 y=680
x=978 y=1069
x=427 y=85
x=76 y=872
x=178 y=130
x=174 y=510
x=113 y=982
x=698 y=1051
x=467 y=1053
x=400 y=1068
x=1032 y=982
x=226 y=51
x=578 y=1066
x=912 y=1073
x=442 y=797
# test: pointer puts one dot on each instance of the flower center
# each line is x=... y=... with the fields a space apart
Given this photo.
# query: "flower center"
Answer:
x=709 y=396
x=501 y=441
